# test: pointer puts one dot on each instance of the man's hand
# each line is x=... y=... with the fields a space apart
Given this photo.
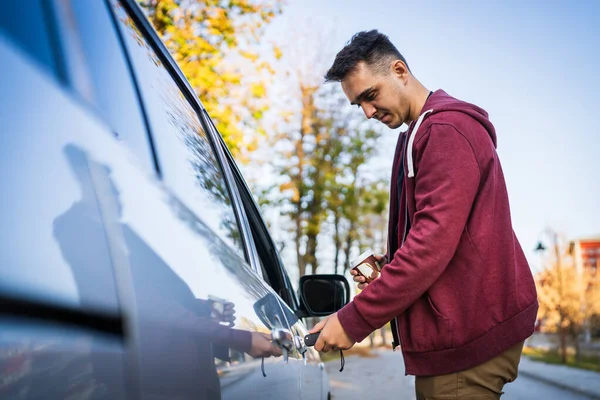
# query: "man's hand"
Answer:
x=262 y=346
x=356 y=277
x=332 y=336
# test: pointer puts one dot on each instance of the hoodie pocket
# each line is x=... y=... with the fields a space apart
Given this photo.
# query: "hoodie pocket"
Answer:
x=425 y=328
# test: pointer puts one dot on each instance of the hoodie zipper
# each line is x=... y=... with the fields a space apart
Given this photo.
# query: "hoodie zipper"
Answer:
x=396 y=334
x=408 y=144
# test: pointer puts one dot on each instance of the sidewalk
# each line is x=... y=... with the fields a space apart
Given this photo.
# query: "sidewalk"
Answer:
x=586 y=383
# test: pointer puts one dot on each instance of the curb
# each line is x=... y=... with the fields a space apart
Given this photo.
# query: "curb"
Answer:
x=582 y=392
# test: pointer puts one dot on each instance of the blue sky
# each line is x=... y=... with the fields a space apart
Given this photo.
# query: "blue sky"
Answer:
x=532 y=65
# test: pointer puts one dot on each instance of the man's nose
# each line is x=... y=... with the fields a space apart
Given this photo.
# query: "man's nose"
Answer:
x=369 y=110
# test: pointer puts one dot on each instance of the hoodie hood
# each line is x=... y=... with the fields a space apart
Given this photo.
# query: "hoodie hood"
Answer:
x=439 y=102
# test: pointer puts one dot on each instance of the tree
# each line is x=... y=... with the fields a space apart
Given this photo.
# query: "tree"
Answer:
x=213 y=41
x=374 y=216
x=358 y=204
x=318 y=152
x=308 y=166
x=324 y=186
x=568 y=297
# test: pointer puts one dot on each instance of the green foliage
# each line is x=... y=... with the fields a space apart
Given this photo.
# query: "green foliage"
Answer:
x=325 y=191
x=588 y=362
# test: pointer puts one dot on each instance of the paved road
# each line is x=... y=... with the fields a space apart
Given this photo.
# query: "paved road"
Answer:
x=383 y=377
x=526 y=389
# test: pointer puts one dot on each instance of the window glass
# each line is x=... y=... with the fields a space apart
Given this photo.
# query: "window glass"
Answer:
x=114 y=91
x=26 y=24
x=186 y=159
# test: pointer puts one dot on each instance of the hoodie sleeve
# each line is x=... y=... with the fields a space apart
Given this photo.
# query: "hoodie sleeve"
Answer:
x=446 y=183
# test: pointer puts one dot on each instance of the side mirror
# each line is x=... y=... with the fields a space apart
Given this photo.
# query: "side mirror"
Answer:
x=321 y=295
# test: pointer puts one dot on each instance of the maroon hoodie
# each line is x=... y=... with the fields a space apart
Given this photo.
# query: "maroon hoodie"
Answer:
x=458 y=286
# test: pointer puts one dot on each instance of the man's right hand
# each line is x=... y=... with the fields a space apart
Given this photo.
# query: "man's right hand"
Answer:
x=356 y=277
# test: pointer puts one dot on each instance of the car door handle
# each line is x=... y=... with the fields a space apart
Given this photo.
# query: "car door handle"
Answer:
x=284 y=339
x=301 y=347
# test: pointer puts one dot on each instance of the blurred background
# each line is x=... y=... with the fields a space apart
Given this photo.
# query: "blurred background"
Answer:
x=320 y=170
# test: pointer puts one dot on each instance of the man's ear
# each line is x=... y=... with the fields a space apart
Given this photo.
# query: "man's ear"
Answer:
x=400 y=69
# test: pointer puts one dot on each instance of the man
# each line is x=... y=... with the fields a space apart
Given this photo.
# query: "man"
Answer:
x=456 y=283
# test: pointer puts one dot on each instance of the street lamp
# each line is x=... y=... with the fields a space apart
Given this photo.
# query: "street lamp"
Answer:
x=540 y=247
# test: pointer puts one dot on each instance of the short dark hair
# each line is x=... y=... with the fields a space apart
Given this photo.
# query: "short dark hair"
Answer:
x=372 y=47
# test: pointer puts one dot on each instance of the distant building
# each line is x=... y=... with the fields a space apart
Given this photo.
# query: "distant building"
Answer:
x=586 y=254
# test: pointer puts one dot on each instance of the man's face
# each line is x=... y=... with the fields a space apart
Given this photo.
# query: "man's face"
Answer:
x=380 y=95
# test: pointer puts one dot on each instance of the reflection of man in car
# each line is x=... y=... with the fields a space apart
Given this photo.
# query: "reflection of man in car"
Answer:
x=177 y=333
x=221 y=310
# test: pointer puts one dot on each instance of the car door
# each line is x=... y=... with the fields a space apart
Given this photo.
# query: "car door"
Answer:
x=314 y=382
x=62 y=329
x=188 y=251
x=157 y=334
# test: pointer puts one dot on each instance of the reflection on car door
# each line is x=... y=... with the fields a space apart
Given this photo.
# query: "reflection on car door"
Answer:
x=61 y=331
x=313 y=381
x=179 y=271
x=175 y=262
x=186 y=252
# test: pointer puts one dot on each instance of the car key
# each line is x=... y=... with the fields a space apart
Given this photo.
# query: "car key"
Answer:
x=311 y=339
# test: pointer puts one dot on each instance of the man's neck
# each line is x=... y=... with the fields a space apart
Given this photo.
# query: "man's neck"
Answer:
x=420 y=97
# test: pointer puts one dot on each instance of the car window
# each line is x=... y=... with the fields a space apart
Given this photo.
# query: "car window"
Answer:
x=113 y=88
x=186 y=159
x=26 y=24
x=272 y=268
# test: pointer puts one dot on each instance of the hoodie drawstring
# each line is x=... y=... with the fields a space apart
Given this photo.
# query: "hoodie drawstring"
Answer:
x=409 y=156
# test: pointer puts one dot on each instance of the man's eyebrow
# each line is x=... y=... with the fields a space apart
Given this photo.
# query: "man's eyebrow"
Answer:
x=361 y=96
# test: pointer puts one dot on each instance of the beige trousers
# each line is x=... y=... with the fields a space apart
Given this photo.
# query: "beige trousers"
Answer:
x=483 y=382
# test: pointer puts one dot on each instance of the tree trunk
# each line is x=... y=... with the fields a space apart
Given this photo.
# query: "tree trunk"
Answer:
x=351 y=216
x=298 y=240
x=561 y=330
x=314 y=220
x=305 y=123
x=349 y=240
x=563 y=343
x=577 y=348
x=311 y=252
x=337 y=242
